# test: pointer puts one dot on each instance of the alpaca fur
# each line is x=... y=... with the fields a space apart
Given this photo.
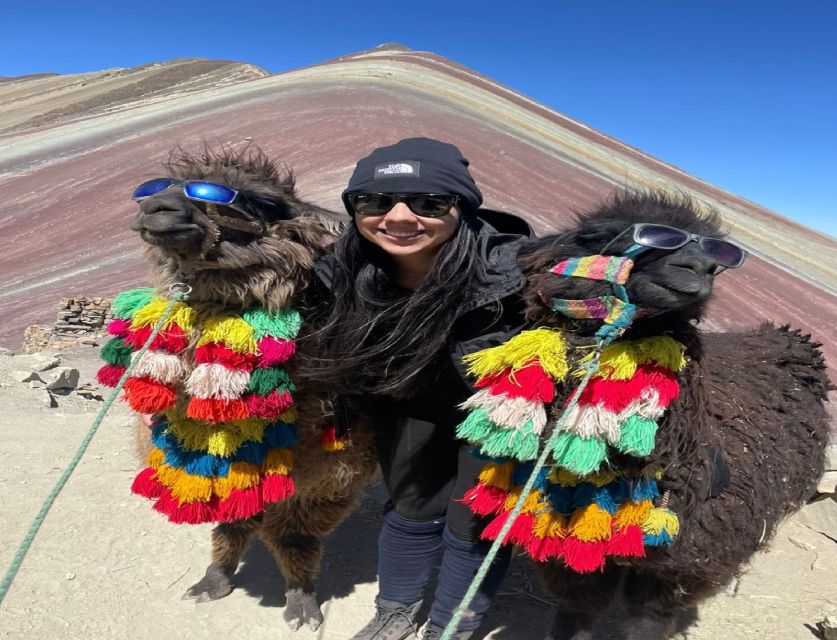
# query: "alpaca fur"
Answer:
x=741 y=447
x=229 y=267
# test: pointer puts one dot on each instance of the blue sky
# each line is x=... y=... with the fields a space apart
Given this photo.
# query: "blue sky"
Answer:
x=741 y=93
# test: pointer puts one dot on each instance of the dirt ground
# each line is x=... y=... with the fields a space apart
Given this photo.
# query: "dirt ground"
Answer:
x=104 y=565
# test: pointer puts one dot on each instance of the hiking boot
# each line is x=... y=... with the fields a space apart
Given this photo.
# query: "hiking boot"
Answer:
x=432 y=632
x=392 y=621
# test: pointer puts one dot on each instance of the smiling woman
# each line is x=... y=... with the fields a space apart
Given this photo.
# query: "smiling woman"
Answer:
x=419 y=279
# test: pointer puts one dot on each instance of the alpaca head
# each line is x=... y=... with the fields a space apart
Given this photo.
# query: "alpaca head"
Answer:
x=256 y=245
x=678 y=280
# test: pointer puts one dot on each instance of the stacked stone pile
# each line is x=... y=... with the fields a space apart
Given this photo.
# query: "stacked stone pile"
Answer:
x=80 y=320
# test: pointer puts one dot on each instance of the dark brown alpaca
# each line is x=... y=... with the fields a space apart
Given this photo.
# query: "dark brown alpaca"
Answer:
x=741 y=447
x=259 y=250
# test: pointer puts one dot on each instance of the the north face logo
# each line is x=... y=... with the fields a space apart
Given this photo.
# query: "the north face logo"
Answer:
x=405 y=169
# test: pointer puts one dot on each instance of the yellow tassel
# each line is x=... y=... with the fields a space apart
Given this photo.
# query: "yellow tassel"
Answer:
x=590 y=523
x=550 y=524
x=511 y=500
x=631 y=512
x=232 y=331
x=619 y=360
x=290 y=416
x=334 y=445
x=222 y=440
x=498 y=475
x=661 y=519
x=181 y=315
x=156 y=457
x=242 y=475
x=188 y=488
x=546 y=345
x=278 y=462
x=534 y=503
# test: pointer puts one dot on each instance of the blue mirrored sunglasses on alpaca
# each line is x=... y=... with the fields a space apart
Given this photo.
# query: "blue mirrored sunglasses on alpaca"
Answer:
x=646 y=235
x=200 y=190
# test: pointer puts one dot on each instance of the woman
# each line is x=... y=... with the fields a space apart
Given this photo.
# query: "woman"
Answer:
x=422 y=277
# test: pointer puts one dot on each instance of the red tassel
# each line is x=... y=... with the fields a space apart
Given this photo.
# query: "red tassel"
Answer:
x=276 y=487
x=217 y=352
x=521 y=531
x=145 y=395
x=171 y=339
x=584 y=557
x=272 y=405
x=137 y=337
x=615 y=395
x=626 y=542
x=274 y=351
x=188 y=513
x=146 y=485
x=484 y=500
x=119 y=327
x=530 y=382
x=543 y=549
x=664 y=381
x=110 y=375
x=217 y=410
x=241 y=503
x=492 y=529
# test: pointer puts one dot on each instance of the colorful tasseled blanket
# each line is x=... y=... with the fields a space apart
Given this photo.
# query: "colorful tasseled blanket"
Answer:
x=223 y=451
x=579 y=510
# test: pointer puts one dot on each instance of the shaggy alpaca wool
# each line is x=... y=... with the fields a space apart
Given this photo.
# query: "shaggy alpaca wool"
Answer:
x=576 y=511
x=223 y=451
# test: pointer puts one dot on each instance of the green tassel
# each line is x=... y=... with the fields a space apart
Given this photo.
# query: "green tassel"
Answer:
x=579 y=455
x=637 y=437
x=117 y=352
x=282 y=324
x=125 y=304
x=265 y=380
x=513 y=443
x=476 y=427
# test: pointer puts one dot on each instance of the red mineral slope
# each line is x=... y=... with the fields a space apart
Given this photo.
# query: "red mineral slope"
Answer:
x=68 y=165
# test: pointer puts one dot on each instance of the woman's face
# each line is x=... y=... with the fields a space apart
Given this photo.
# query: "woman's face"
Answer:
x=411 y=240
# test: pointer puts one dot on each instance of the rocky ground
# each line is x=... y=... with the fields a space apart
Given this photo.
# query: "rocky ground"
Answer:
x=105 y=566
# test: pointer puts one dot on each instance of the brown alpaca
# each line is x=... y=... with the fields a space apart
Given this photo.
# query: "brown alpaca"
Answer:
x=259 y=250
x=741 y=447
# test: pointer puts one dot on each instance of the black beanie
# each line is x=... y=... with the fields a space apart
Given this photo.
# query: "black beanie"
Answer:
x=416 y=165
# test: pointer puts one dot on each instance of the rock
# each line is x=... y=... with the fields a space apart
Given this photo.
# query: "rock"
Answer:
x=6 y=352
x=820 y=516
x=831 y=458
x=45 y=363
x=63 y=378
x=37 y=384
x=828 y=482
x=89 y=392
x=25 y=376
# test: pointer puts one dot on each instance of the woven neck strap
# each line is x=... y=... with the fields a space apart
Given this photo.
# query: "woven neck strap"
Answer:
x=615 y=310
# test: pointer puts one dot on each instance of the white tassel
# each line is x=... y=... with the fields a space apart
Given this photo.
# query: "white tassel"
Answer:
x=159 y=365
x=594 y=422
x=217 y=382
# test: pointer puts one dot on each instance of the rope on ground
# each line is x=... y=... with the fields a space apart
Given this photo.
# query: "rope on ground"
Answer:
x=461 y=610
x=177 y=296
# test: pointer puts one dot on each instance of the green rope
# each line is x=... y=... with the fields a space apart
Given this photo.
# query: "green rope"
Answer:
x=39 y=519
x=450 y=629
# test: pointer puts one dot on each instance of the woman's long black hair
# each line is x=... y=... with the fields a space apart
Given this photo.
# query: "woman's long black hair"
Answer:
x=379 y=338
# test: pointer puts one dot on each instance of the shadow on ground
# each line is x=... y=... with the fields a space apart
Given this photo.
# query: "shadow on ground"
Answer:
x=521 y=610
